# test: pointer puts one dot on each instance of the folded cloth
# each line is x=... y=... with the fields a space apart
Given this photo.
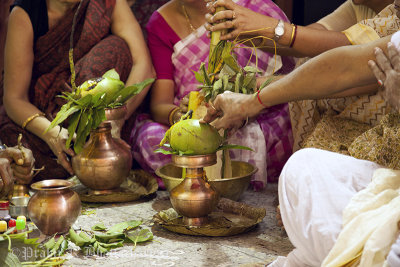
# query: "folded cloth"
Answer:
x=370 y=223
x=393 y=259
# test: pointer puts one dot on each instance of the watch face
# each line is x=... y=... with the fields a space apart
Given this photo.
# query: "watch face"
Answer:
x=279 y=31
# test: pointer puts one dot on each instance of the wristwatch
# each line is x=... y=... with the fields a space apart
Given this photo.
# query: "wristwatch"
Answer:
x=279 y=30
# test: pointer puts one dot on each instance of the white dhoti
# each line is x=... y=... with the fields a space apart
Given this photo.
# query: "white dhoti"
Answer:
x=314 y=188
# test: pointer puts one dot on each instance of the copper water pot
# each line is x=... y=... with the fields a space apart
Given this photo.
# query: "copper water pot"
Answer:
x=104 y=162
x=194 y=198
x=54 y=207
x=117 y=118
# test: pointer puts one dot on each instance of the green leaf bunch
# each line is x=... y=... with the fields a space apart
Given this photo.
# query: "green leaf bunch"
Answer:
x=114 y=237
x=85 y=107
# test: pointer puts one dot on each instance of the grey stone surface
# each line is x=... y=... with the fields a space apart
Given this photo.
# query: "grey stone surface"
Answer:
x=260 y=245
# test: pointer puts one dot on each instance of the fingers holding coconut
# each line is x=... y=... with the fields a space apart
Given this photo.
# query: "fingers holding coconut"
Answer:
x=183 y=105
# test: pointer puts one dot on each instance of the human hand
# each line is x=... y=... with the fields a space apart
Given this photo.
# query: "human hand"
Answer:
x=184 y=104
x=230 y=111
x=17 y=164
x=56 y=141
x=242 y=23
x=23 y=173
x=387 y=71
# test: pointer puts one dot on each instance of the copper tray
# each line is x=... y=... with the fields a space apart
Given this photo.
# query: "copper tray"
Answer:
x=137 y=185
x=230 y=218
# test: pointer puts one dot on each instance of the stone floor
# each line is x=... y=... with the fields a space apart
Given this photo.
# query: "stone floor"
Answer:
x=259 y=246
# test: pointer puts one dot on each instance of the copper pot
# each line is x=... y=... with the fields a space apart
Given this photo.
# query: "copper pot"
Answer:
x=54 y=207
x=194 y=198
x=117 y=118
x=104 y=162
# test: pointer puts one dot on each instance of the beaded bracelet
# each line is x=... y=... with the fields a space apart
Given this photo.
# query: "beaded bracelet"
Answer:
x=171 y=115
x=294 y=34
x=31 y=118
x=259 y=99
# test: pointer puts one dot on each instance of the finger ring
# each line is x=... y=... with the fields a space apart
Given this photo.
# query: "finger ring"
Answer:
x=233 y=15
x=212 y=105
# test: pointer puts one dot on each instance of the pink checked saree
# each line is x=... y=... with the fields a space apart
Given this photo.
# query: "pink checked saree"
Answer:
x=270 y=135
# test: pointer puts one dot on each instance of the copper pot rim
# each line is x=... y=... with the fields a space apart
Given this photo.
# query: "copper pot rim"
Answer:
x=52 y=185
x=160 y=174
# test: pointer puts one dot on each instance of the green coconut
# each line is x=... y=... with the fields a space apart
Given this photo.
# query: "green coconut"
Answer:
x=190 y=137
x=109 y=83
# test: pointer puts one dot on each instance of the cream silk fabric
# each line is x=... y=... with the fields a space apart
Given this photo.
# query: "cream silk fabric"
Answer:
x=370 y=223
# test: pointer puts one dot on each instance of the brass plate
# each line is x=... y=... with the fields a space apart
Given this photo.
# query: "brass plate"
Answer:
x=138 y=184
x=230 y=218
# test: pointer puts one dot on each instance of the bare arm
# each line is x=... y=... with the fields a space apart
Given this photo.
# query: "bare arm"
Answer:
x=309 y=41
x=331 y=73
x=125 y=25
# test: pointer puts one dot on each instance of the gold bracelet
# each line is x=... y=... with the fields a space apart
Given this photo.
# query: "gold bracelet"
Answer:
x=31 y=118
x=291 y=38
x=171 y=115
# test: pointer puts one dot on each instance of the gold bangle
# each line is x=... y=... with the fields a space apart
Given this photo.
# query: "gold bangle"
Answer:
x=31 y=118
x=293 y=31
x=171 y=115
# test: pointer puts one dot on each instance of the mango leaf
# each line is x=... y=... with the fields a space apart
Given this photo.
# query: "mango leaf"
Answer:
x=105 y=238
x=99 y=115
x=165 y=152
x=65 y=111
x=31 y=241
x=112 y=245
x=83 y=130
x=120 y=227
x=217 y=85
x=139 y=236
x=85 y=101
x=232 y=146
x=238 y=82
x=98 y=99
x=50 y=243
x=73 y=124
x=226 y=70
x=199 y=77
x=225 y=82
x=77 y=239
x=127 y=92
x=252 y=69
x=8 y=259
x=169 y=214
x=230 y=60
x=99 y=227
x=204 y=73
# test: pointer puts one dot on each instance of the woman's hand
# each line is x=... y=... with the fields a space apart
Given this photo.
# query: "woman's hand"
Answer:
x=230 y=110
x=56 y=141
x=23 y=167
x=15 y=164
x=240 y=21
x=387 y=72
